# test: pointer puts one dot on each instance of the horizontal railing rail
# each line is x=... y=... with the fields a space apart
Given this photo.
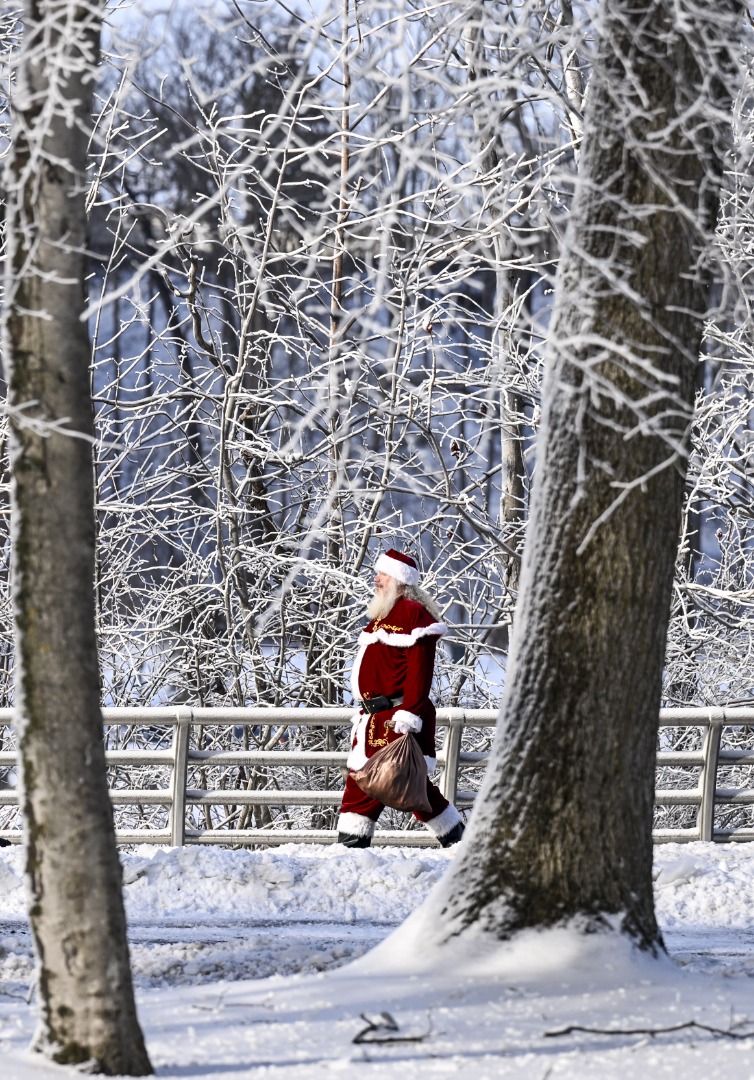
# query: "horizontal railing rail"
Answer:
x=179 y=758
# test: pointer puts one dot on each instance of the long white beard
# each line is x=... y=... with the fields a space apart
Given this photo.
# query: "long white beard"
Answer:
x=384 y=601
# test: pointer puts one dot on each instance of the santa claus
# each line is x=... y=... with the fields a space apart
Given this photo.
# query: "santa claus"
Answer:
x=391 y=681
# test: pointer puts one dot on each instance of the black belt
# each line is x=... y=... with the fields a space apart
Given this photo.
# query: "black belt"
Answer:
x=374 y=705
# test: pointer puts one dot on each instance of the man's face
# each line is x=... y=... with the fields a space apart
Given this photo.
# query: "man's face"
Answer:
x=382 y=584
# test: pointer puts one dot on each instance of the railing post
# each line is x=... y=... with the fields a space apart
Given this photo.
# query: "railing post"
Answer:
x=181 y=737
x=452 y=751
x=708 y=778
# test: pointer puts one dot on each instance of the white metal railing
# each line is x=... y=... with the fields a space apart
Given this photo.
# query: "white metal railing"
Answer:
x=180 y=758
x=708 y=794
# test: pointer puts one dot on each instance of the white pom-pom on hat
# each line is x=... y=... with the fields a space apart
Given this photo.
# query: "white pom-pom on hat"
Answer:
x=399 y=566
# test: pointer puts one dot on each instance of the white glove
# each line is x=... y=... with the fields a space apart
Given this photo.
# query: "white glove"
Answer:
x=405 y=722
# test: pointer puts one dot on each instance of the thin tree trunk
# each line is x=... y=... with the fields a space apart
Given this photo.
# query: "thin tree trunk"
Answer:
x=563 y=825
x=513 y=472
x=76 y=909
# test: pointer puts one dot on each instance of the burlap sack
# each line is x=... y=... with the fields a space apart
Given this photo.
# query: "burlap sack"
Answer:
x=397 y=776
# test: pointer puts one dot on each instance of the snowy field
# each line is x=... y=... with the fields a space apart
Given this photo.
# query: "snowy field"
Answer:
x=272 y=964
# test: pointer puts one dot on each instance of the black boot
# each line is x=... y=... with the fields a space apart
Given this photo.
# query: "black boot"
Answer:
x=4 y=842
x=351 y=840
x=453 y=836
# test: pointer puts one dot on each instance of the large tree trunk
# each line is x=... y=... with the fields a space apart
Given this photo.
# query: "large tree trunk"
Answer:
x=563 y=825
x=76 y=909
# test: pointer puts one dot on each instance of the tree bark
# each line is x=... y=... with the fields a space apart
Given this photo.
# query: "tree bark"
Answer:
x=562 y=829
x=76 y=909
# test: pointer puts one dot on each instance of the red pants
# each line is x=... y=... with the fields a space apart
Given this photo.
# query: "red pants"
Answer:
x=356 y=802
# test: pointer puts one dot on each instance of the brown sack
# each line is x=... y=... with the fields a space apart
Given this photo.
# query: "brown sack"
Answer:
x=397 y=776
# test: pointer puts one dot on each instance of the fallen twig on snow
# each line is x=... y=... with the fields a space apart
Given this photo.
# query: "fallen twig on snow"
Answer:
x=651 y=1031
x=381 y=1031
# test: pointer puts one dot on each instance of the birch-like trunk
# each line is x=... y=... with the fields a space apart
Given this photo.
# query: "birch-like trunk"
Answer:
x=76 y=909
x=562 y=828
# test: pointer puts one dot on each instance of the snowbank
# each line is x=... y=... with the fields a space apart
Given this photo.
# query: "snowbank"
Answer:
x=241 y=968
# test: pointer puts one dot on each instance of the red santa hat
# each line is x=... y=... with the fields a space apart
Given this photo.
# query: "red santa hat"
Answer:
x=399 y=566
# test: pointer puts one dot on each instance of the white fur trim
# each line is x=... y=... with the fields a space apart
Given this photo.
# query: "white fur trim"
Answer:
x=444 y=822
x=404 y=721
x=408 y=575
x=431 y=764
x=357 y=755
x=355 y=670
x=402 y=641
x=355 y=825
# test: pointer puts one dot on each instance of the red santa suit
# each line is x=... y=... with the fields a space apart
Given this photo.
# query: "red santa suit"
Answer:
x=395 y=659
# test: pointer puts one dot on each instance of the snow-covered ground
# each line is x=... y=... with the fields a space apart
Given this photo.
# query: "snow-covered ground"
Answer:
x=258 y=964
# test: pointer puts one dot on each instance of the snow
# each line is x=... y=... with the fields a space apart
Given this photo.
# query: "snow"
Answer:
x=271 y=963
